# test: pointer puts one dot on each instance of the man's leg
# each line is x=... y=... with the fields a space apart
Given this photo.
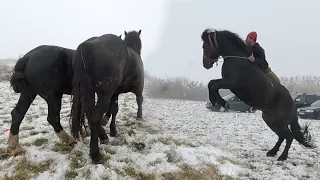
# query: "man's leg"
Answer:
x=272 y=75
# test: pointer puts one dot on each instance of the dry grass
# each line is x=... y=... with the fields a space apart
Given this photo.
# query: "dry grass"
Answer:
x=4 y=154
x=32 y=133
x=40 y=142
x=130 y=171
x=70 y=174
x=189 y=173
x=27 y=170
x=61 y=147
x=76 y=160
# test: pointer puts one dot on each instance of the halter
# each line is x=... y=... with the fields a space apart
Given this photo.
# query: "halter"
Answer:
x=214 y=45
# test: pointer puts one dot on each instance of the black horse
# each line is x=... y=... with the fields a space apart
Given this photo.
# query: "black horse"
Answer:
x=100 y=65
x=133 y=79
x=45 y=71
x=253 y=87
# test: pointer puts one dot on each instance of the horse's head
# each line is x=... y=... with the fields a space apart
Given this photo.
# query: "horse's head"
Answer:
x=133 y=41
x=222 y=43
x=210 y=48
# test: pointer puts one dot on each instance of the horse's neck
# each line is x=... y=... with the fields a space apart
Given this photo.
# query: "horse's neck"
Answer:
x=136 y=50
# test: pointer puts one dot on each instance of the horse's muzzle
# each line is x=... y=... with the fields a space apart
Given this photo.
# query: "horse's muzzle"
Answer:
x=208 y=62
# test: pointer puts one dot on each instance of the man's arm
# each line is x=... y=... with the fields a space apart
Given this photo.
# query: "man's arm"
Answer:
x=260 y=56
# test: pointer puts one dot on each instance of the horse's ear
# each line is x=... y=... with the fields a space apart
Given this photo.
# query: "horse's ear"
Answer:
x=139 y=32
x=120 y=36
x=125 y=33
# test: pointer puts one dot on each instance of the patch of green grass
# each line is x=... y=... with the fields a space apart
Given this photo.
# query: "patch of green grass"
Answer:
x=165 y=141
x=6 y=121
x=29 y=118
x=63 y=148
x=32 y=133
x=129 y=171
x=27 y=128
x=27 y=170
x=44 y=132
x=76 y=160
x=40 y=142
x=180 y=143
x=119 y=141
x=189 y=173
x=4 y=154
x=87 y=174
x=70 y=174
x=139 y=145
x=131 y=132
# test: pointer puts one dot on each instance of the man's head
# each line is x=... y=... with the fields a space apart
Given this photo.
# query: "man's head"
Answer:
x=251 y=38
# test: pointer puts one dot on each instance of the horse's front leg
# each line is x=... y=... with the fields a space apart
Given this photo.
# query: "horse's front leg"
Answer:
x=214 y=86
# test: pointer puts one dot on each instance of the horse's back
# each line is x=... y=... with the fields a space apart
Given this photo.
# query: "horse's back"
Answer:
x=106 y=57
x=47 y=65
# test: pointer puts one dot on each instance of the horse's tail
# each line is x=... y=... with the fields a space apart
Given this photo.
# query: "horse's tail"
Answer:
x=18 y=80
x=83 y=100
x=302 y=135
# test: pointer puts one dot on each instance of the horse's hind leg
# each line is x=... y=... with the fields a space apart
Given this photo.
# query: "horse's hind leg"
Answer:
x=17 y=115
x=104 y=103
x=275 y=149
x=139 y=99
x=278 y=125
x=114 y=107
x=269 y=119
x=285 y=132
x=54 y=108
x=96 y=129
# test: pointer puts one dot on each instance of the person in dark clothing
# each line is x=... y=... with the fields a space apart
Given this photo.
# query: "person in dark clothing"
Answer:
x=259 y=56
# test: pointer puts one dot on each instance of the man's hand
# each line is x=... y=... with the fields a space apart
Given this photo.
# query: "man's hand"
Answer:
x=251 y=58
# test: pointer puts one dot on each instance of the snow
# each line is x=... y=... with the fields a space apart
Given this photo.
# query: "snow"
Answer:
x=174 y=133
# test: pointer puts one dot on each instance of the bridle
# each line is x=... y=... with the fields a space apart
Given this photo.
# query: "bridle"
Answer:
x=215 y=47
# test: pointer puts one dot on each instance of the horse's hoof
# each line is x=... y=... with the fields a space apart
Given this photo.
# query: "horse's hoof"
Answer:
x=104 y=140
x=97 y=159
x=113 y=133
x=271 y=154
x=16 y=151
x=139 y=116
x=282 y=158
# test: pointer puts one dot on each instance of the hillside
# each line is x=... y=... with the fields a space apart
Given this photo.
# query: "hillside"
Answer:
x=175 y=140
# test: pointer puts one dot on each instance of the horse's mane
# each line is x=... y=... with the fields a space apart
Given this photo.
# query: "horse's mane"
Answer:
x=133 y=41
x=225 y=34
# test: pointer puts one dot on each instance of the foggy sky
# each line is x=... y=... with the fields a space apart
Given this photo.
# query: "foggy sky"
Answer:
x=287 y=30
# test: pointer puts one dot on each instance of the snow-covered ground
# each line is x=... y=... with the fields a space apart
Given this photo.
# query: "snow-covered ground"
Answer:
x=173 y=134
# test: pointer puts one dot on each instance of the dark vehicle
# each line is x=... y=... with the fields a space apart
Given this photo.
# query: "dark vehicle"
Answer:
x=311 y=112
x=235 y=104
x=303 y=100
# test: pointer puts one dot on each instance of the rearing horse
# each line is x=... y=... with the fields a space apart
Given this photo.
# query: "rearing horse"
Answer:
x=253 y=87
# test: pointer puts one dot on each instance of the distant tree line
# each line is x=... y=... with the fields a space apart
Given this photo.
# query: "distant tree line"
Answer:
x=186 y=89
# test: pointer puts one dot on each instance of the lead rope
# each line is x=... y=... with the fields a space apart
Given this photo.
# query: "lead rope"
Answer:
x=229 y=57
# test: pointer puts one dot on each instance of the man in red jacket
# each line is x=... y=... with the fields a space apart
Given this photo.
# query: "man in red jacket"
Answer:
x=259 y=56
